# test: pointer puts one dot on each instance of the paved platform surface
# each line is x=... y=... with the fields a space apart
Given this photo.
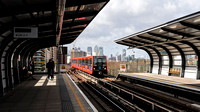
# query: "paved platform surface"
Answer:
x=193 y=83
x=42 y=95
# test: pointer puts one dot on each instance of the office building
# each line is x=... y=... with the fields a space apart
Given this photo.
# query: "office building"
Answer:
x=100 y=51
x=95 y=50
x=89 y=51
x=124 y=55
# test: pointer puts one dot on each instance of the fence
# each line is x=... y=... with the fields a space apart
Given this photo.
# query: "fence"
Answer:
x=139 y=65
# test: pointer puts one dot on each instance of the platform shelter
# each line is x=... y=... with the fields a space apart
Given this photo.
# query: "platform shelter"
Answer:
x=173 y=47
x=29 y=25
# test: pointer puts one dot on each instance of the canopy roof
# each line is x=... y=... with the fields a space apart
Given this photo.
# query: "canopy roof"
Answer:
x=179 y=33
x=58 y=22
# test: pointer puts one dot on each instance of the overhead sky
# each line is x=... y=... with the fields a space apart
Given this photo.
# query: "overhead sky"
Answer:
x=120 y=18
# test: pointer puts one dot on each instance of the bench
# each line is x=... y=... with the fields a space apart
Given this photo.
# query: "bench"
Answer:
x=175 y=71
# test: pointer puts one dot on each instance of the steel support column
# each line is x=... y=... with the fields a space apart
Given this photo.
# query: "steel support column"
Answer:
x=151 y=58
x=182 y=57
x=197 y=53
x=170 y=56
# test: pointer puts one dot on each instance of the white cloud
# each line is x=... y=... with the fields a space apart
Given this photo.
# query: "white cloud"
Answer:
x=120 y=18
x=170 y=6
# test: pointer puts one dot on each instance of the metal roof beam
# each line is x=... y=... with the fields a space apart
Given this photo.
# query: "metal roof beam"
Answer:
x=6 y=11
x=151 y=39
x=72 y=29
x=82 y=2
x=161 y=36
x=191 y=25
x=143 y=42
x=80 y=14
x=132 y=43
x=127 y=44
x=177 y=32
x=75 y=24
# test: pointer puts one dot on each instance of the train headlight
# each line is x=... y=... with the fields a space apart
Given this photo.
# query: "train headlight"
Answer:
x=94 y=68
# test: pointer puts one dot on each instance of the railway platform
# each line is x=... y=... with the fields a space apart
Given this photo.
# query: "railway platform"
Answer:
x=171 y=80
x=42 y=95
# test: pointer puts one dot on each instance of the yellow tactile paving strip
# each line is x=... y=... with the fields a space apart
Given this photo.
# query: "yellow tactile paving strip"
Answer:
x=168 y=79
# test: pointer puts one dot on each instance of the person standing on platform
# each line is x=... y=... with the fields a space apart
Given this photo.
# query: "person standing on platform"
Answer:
x=50 y=66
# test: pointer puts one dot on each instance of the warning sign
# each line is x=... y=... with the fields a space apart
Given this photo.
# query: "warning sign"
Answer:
x=123 y=67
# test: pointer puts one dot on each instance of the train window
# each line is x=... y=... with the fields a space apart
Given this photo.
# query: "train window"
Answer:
x=79 y=61
x=104 y=60
x=99 y=60
x=86 y=61
x=82 y=61
x=95 y=60
x=90 y=62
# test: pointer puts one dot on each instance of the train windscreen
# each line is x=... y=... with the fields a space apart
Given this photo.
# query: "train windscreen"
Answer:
x=99 y=61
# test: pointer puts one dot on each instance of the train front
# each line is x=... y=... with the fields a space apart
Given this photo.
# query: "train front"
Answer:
x=99 y=66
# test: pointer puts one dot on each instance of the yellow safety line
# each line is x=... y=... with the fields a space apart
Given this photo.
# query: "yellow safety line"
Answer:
x=77 y=99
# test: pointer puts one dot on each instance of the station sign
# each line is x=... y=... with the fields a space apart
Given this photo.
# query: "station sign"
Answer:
x=123 y=67
x=25 y=32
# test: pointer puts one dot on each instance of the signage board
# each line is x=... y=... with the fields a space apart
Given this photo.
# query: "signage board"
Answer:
x=63 y=67
x=25 y=32
x=123 y=67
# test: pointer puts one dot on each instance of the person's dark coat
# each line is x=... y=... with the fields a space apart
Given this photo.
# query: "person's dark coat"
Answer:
x=50 y=65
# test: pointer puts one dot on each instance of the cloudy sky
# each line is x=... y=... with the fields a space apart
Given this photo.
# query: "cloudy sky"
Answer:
x=120 y=18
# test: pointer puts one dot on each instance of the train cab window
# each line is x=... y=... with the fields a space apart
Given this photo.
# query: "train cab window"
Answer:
x=104 y=60
x=99 y=60
x=95 y=61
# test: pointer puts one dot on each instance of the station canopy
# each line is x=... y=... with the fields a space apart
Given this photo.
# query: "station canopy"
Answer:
x=182 y=34
x=172 y=46
x=58 y=21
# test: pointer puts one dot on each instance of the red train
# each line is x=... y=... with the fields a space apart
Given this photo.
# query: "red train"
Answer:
x=94 y=65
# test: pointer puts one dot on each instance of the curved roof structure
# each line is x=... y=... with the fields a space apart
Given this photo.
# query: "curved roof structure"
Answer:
x=174 y=39
x=57 y=22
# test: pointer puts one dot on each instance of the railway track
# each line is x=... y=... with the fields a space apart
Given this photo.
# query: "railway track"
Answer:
x=137 y=97
x=150 y=96
x=102 y=102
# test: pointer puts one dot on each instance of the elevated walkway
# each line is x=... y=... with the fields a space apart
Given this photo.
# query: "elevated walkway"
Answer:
x=42 y=95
